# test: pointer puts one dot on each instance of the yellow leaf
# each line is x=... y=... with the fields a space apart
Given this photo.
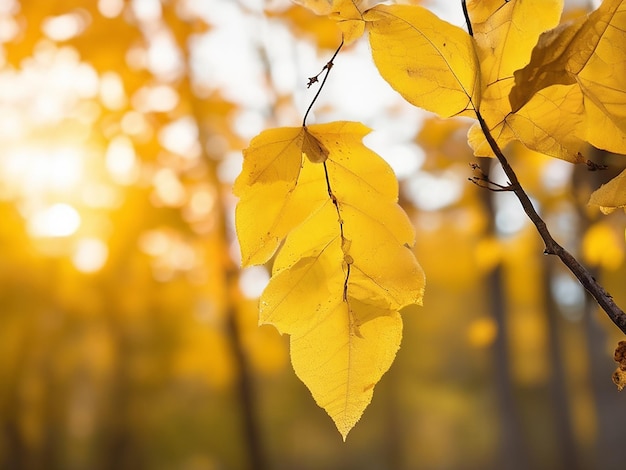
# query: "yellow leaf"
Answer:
x=602 y=246
x=304 y=22
x=269 y=205
x=505 y=34
x=602 y=129
x=345 y=8
x=611 y=195
x=343 y=273
x=347 y=14
x=548 y=123
x=590 y=54
x=341 y=367
x=430 y=62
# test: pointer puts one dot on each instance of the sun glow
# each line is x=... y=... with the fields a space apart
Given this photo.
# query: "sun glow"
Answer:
x=58 y=220
x=90 y=255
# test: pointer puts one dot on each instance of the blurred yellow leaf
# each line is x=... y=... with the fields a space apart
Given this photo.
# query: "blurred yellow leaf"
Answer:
x=601 y=246
x=611 y=195
x=482 y=332
x=347 y=14
x=430 y=62
x=444 y=142
x=306 y=23
x=345 y=269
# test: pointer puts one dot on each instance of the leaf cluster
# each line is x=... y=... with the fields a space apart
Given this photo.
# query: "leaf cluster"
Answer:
x=343 y=270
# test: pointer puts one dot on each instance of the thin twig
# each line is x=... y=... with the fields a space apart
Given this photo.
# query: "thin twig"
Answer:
x=312 y=80
x=604 y=299
x=483 y=181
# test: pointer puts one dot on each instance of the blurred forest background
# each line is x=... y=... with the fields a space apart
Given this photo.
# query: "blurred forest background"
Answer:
x=128 y=335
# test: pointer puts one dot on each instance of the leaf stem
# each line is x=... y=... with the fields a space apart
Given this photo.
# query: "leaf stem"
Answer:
x=602 y=297
x=312 y=80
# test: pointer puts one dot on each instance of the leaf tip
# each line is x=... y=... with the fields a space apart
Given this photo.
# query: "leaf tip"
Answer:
x=344 y=430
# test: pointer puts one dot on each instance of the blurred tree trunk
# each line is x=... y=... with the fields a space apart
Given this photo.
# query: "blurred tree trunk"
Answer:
x=120 y=451
x=246 y=390
x=567 y=454
x=119 y=448
x=247 y=397
x=14 y=454
x=514 y=453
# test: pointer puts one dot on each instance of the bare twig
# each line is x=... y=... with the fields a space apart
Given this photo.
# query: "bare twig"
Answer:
x=483 y=181
x=314 y=79
x=604 y=299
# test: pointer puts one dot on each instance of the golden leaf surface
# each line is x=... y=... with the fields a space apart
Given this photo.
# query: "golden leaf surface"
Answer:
x=269 y=205
x=611 y=195
x=505 y=34
x=589 y=54
x=345 y=268
x=430 y=62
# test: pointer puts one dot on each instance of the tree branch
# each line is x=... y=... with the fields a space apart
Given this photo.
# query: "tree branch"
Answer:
x=604 y=299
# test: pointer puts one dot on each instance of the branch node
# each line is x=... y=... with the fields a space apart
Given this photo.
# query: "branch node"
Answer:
x=483 y=181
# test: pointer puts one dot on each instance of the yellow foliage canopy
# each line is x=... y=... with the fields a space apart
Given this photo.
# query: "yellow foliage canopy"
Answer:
x=345 y=268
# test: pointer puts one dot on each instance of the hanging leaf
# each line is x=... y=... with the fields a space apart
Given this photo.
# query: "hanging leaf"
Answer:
x=345 y=268
x=430 y=62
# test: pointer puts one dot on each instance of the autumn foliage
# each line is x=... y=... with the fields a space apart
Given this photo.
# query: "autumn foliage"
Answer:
x=175 y=172
x=345 y=268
